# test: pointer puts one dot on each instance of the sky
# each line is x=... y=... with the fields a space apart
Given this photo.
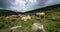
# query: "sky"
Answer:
x=26 y=5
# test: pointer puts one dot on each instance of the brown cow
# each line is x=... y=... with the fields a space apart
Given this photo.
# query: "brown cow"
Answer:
x=40 y=14
x=26 y=17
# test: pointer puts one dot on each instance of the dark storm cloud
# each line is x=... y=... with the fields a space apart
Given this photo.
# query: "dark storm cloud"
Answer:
x=5 y=3
x=26 y=5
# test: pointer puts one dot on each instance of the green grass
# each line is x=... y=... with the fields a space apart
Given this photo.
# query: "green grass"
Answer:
x=49 y=25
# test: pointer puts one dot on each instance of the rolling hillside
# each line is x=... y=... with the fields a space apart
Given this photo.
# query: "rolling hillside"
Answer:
x=51 y=21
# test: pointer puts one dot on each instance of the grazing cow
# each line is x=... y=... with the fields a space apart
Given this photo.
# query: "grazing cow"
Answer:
x=55 y=18
x=14 y=16
x=23 y=15
x=40 y=14
x=19 y=15
x=26 y=17
x=6 y=18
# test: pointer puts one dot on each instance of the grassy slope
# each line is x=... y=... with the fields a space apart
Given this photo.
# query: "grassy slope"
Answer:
x=49 y=25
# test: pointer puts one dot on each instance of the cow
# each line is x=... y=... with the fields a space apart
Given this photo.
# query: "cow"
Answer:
x=26 y=17
x=40 y=14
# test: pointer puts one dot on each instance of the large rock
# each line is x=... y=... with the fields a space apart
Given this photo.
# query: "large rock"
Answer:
x=37 y=26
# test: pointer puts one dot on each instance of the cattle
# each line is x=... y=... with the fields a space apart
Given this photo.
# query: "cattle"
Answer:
x=9 y=18
x=40 y=14
x=19 y=15
x=25 y=17
x=55 y=18
x=6 y=18
x=14 y=16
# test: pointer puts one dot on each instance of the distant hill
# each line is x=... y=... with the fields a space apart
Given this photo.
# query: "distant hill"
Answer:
x=9 y=12
x=45 y=8
x=6 y=12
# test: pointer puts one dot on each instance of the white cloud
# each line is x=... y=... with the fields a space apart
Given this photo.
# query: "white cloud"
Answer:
x=26 y=5
x=48 y=2
x=52 y=2
x=33 y=2
x=18 y=5
x=22 y=6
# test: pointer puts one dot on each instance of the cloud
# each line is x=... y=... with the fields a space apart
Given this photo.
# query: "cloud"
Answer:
x=22 y=6
x=51 y=2
x=33 y=2
x=26 y=5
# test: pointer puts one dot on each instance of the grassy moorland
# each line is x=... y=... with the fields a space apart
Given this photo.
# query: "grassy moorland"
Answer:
x=51 y=21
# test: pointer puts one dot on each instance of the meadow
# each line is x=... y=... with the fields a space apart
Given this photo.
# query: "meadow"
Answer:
x=51 y=21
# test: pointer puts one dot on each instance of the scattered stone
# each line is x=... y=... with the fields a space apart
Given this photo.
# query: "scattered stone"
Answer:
x=15 y=27
x=37 y=26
